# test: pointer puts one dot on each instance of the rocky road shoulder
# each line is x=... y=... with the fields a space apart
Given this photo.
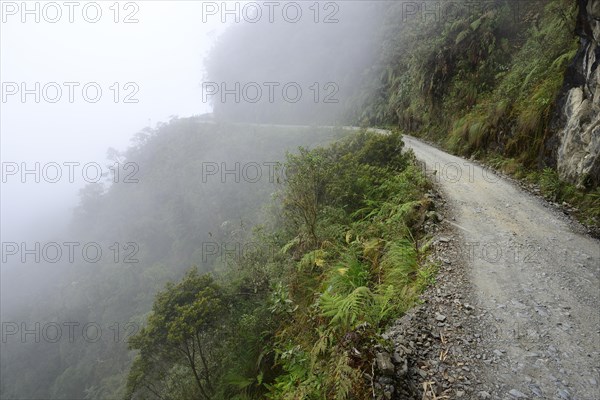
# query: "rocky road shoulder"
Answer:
x=435 y=348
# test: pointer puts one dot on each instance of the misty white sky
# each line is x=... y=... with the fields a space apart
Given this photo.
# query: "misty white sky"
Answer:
x=162 y=54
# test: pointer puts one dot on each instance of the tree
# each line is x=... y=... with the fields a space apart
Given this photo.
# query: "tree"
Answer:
x=180 y=335
x=306 y=175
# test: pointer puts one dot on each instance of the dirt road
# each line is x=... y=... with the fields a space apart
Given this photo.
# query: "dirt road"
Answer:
x=534 y=273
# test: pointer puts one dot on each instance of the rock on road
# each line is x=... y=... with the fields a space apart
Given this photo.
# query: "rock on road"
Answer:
x=535 y=272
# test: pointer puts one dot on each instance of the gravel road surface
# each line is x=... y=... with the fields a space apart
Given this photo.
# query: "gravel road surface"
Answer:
x=533 y=273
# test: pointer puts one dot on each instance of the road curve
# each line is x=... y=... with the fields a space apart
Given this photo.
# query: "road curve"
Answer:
x=534 y=272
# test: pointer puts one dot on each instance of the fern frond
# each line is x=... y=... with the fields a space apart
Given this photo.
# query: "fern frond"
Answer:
x=345 y=311
x=398 y=263
x=289 y=245
x=343 y=377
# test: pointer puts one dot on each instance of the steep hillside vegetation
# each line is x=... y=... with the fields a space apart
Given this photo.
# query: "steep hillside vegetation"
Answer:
x=174 y=214
x=298 y=316
x=499 y=83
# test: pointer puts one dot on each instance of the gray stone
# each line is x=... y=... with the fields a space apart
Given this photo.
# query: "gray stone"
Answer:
x=434 y=216
x=398 y=359
x=517 y=394
x=578 y=118
x=384 y=363
x=564 y=394
x=536 y=390
x=404 y=369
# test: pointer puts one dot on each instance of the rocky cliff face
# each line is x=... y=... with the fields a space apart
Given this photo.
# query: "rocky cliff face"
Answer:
x=578 y=125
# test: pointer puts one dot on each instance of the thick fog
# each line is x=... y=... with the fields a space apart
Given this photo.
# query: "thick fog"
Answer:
x=154 y=91
x=155 y=48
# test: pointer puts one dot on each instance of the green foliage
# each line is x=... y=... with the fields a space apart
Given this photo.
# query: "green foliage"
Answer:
x=345 y=311
x=179 y=340
x=348 y=274
x=280 y=302
x=343 y=377
x=484 y=80
x=554 y=189
x=169 y=214
x=353 y=279
x=550 y=185
x=347 y=264
x=483 y=83
x=525 y=92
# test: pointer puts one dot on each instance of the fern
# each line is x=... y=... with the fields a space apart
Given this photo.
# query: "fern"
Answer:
x=321 y=346
x=398 y=263
x=291 y=244
x=462 y=36
x=312 y=259
x=563 y=60
x=348 y=274
x=385 y=306
x=342 y=377
x=476 y=24
x=346 y=311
